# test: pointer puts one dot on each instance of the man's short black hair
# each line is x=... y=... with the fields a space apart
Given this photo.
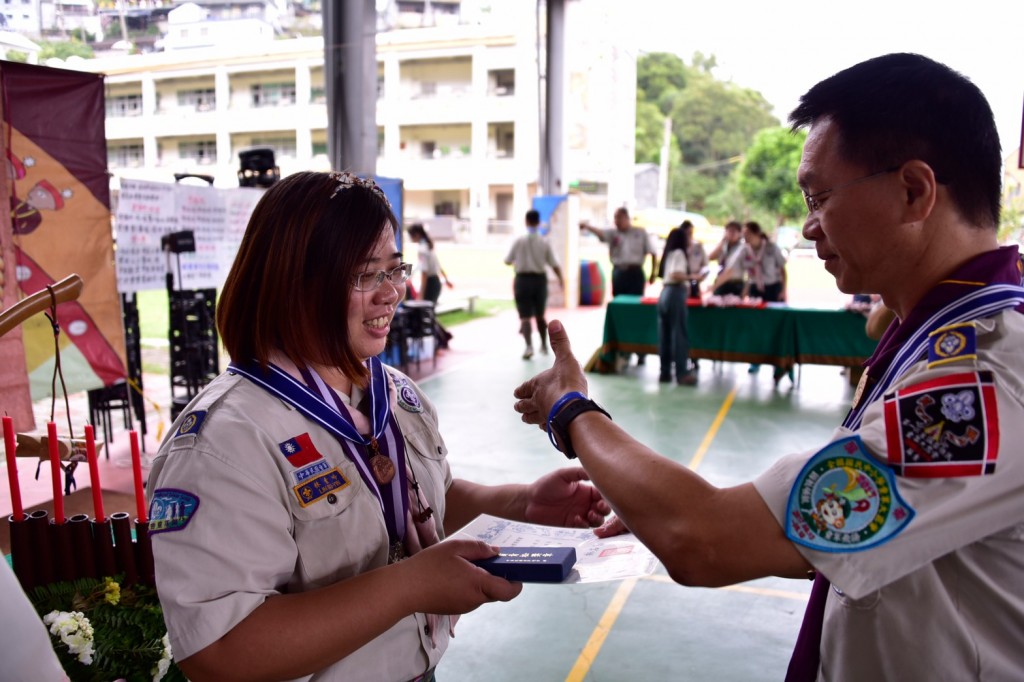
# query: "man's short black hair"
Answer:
x=901 y=107
x=533 y=218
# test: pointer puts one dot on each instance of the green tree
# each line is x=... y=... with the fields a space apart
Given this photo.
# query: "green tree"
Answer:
x=659 y=74
x=64 y=49
x=767 y=176
x=649 y=132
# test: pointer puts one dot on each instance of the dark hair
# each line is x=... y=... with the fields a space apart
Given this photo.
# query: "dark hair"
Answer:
x=902 y=107
x=288 y=289
x=734 y=225
x=676 y=239
x=533 y=218
x=756 y=229
x=418 y=231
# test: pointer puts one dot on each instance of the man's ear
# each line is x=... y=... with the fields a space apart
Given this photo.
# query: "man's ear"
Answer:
x=920 y=190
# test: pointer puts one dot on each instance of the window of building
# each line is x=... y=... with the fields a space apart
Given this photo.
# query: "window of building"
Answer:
x=272 y=94
x=502 y=82
x=428 y=149
x=202 y=99
x=124 y=105
x=318 y=95
x=202 y=152
x=428 y=88
x=125 y=156
x=284 y=147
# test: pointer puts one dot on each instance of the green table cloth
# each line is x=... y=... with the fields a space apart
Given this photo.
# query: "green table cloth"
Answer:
x=780 y=336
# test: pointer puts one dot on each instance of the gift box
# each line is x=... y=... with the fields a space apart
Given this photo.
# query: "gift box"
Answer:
x=531 y=564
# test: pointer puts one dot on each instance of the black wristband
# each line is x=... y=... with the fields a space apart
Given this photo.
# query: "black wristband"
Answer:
x=560 y=422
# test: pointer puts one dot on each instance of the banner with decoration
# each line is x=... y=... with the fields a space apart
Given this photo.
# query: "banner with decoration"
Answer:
x=59 y=224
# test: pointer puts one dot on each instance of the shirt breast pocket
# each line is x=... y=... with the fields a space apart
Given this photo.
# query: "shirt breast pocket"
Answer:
x=338 y=528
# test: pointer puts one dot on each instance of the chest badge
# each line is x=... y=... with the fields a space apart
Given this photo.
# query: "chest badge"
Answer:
x=408 y=400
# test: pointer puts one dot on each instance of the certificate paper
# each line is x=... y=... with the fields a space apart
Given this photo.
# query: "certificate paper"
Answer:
x=597 y=559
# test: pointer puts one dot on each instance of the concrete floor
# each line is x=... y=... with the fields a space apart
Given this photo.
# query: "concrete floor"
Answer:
x=651 y=629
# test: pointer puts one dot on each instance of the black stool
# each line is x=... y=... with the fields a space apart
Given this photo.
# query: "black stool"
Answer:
x=104 y=401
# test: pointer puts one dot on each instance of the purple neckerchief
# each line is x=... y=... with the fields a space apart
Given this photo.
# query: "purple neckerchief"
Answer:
x=1001 y=266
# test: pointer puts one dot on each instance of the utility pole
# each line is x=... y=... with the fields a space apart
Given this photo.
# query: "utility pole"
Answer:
x=663 y=184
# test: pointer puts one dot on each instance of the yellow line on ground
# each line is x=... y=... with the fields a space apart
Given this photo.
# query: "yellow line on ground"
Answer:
x=604 y=626
x=698 y=456
x=747 y=589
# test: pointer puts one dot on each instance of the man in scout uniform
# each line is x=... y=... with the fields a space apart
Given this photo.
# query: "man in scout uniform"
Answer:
x=910 y=520
x=628 y=247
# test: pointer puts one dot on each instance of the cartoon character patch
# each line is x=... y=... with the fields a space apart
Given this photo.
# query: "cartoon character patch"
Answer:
x=171 y=510
x=191 y=424
x=300 y=451
x=949 y=344
x=318 y=487
x=844 y=500
x=944 y=427
x=407 y=398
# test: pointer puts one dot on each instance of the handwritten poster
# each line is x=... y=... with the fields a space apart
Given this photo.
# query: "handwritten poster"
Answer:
x=147 y=211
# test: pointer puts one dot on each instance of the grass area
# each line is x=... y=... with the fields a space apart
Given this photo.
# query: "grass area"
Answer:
x=483 y=308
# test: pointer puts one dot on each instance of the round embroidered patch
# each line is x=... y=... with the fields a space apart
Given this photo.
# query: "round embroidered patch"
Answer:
x=407 y=397
x=844 y=501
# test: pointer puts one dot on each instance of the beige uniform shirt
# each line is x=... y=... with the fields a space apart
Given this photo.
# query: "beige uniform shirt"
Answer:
x=249 y=536
x=627 y=248
x=944 y=598
x=529 y=254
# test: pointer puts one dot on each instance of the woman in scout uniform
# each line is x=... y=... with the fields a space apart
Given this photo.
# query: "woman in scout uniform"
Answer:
x=297 y=504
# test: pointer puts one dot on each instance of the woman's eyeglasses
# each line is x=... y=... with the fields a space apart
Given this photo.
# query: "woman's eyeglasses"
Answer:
x=368 y=281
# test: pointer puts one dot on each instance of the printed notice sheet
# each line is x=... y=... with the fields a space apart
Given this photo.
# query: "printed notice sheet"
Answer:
x=597 y=559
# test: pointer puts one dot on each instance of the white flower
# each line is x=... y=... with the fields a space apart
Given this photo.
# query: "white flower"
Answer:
x=74 y=630
x=165 y=660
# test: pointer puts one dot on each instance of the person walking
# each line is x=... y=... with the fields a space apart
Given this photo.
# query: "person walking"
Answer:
x=430 y=268
x=529 y=255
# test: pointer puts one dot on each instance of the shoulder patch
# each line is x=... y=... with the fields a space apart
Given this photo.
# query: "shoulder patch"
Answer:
x=949 y=344
x=944 y=427
x=406 y=394
x=191 y=424
x=171 y=509
x=844 y=500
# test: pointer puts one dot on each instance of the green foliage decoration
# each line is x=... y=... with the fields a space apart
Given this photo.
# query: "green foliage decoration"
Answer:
x=127 y=629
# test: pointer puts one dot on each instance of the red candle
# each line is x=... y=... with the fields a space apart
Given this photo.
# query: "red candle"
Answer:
x=12 y=468
x=140 y=494
x=94 y=473
x=55 y=472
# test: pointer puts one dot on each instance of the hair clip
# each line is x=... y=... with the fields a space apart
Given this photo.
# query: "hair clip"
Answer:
x=346 y=180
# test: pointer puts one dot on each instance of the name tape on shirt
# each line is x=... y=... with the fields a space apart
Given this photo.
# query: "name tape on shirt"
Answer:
x=171 y=510
x=944 y=427
x=951 y=344
x=844 y=500
x=316 y=488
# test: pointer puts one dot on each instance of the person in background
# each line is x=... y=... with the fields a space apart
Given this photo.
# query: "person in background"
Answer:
x=673 y=337
x=765 y=268
x=529 y=255
x=697 y=260
x=729 y=280
x=297 y=504
x=431 y=272
x=909 y=519
x=628 y=247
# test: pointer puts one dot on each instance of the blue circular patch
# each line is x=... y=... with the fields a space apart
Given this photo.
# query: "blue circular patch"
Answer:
x=844 y=500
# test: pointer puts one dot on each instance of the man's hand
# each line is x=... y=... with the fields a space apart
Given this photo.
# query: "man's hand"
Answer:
x=612 y=527
x=560 y=499
x=537 y=395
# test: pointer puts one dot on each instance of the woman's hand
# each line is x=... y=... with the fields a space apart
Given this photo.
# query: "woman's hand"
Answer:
x=560 y=499
x=441 y=579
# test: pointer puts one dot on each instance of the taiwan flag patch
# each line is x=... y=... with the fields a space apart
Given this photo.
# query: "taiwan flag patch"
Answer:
x=943 y=427
x=300 y=451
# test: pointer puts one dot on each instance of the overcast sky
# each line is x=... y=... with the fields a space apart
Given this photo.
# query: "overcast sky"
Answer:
x=783 y=47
